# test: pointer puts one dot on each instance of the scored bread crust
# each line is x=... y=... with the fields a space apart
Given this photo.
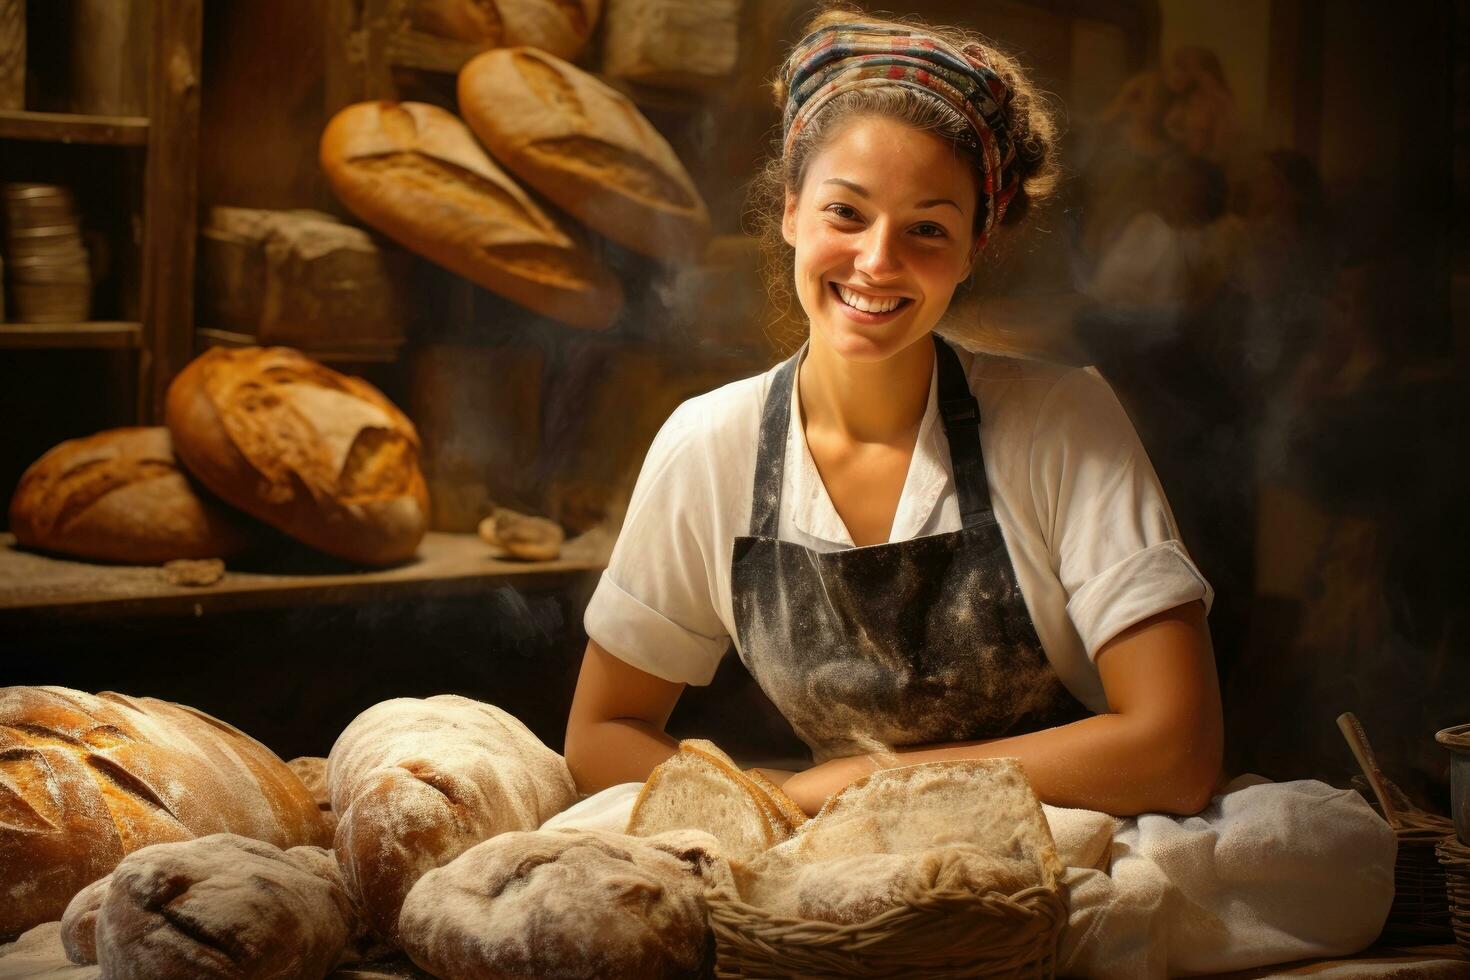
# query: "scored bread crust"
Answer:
x=586 y=148
x=559 y=26
x=321 y=456
x=120 y=495
x=414 y=172
x=86 y=779
x=417 y=782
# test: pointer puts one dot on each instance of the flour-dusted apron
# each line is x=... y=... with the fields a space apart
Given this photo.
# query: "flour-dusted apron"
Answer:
x=898 y=644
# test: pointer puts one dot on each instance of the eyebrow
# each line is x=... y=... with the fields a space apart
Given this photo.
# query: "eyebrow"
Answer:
x=861 y=191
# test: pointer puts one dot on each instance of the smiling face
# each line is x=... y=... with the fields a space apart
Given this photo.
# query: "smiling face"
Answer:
x=883 y=229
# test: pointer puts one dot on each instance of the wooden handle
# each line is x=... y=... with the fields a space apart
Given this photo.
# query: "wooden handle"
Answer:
x=1357 y=740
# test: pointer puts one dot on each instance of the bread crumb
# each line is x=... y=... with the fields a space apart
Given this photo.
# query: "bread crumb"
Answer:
x=195 y=572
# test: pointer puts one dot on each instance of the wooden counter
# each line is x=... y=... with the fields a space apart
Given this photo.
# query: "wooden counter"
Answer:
x=35 y=586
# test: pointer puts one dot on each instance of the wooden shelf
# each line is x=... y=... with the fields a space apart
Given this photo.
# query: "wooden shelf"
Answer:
x=67 y=127
x=42 y=336
x=36 y=586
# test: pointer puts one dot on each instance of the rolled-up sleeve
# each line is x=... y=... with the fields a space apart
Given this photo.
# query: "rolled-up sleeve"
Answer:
x=653 y=607
x=1114 y=543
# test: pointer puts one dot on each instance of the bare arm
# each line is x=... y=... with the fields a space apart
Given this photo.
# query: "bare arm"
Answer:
x=1158 y=749
x=615 y=730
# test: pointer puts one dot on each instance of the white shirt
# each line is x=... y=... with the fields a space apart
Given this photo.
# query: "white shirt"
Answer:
x=1094 y=544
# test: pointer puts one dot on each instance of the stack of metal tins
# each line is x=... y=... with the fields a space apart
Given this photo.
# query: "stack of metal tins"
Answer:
x=50 y=281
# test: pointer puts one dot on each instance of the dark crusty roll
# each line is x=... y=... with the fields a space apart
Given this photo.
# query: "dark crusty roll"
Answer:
x=222 y=907
x=322 y=456
x=415 y=172
x=415 y=783
x=559 y=26
x=86 y=779
x=120 y=496
x=586 y=147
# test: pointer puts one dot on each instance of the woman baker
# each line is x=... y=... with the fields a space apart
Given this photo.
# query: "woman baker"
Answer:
x=919 y=550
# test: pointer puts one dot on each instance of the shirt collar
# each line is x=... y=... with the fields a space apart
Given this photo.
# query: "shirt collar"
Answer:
x=810 y=507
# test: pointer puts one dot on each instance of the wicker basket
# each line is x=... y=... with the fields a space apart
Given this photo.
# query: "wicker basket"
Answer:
x=937 y=934
x=1455 y=858
x=1420 y=914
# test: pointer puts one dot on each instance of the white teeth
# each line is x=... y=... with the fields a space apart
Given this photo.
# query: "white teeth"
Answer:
x=858 y=301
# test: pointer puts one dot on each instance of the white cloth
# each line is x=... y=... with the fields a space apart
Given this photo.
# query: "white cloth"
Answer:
x=1089 y=531
x=1268 y=873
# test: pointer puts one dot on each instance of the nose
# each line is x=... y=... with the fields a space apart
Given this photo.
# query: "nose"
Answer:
x=877 y=256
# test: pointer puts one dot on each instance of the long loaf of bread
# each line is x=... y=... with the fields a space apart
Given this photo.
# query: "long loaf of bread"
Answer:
x=415 y=783
x=586 y=147
x=86 y=779
x=415 y=172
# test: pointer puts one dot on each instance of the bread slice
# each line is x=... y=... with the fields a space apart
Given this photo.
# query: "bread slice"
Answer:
x=701 y=788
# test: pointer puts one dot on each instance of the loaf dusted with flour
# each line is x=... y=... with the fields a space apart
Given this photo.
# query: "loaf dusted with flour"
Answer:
x=322 y=456
x=586 y=148
x=121 y=496
x=415 y=783
x=966 y=826
x=86 y=779
x=221 y=906
x=414 y=172
x=559 y=26
x=571 y=904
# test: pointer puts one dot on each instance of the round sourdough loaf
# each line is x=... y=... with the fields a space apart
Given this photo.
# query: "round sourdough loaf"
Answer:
x=222 y=907
x=586 y=147
x=559 y=26
x=415 y=783
x=322 y=456
x=415 y=172
x=120 y=496
x=86 y=779
x=572 y=904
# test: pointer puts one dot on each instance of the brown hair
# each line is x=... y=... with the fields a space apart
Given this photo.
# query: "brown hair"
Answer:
x=1028 y=121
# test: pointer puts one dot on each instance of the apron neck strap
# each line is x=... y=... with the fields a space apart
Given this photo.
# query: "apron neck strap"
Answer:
x=957 y=407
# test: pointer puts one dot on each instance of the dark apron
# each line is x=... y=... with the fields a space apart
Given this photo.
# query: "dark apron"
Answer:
x=899 y=644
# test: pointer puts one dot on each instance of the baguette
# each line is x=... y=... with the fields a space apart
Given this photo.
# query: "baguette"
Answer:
x=86 y=779
x=322 y=456
x=586 y=148
x=414 y=172
x=559 y=26
x=121 y=496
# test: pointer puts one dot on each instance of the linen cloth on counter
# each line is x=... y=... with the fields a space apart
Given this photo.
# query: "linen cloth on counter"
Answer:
x=1267 y=873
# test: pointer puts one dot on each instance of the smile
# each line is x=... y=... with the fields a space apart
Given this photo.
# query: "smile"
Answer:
x=870 y=306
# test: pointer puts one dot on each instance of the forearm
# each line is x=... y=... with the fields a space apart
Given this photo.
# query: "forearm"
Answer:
x=620 y=750
x=1107 y=762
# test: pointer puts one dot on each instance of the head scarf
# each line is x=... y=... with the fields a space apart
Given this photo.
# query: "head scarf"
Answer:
x=843 y=57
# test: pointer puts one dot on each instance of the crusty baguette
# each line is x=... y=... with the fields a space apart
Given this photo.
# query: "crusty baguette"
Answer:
x=586 y=148
x=322 y=456
x=415 y=783
x=415 y=172
x=85 y=779
x=559 y=26
x=121 y=496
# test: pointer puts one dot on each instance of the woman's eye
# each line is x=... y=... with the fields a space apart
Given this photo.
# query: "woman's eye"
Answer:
x=843 y=211
x=930 y=230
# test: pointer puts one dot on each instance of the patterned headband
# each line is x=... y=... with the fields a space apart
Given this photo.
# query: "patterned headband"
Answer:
x=844 y=57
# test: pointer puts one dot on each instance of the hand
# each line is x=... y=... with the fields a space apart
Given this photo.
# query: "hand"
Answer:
x=811 y=788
